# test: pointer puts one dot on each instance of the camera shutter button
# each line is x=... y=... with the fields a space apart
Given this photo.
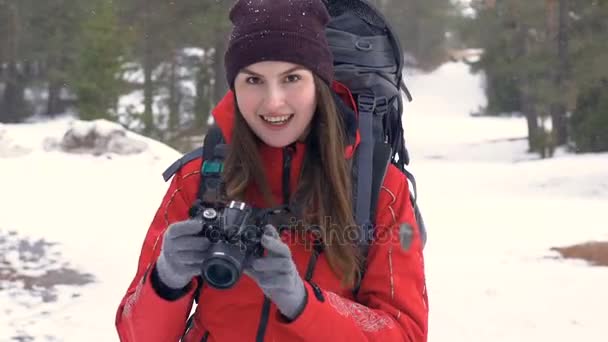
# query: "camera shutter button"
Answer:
x=209 y=213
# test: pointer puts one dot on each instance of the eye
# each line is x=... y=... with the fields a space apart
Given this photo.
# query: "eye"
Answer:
x=253 y=80
x=293 y=78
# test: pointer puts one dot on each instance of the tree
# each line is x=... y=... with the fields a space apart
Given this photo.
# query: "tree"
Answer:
x=513 y=36
x=589 y=119
x=422 y=27
x=538 y=57
x=52 y=32
x=96 y=75
x=12 y=103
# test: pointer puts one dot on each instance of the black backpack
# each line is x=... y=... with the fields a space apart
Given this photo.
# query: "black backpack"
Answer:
x=367 y=59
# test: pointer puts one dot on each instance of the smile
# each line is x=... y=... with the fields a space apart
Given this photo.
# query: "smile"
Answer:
x=277 y=120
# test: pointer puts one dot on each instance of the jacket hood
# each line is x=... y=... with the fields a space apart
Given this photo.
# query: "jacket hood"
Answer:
x=223 y=114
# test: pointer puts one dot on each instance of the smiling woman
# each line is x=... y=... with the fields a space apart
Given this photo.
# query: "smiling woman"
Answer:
x=291 y=135
x=277 y=100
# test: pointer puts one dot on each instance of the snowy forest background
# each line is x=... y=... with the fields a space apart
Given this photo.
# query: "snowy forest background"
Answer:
x=508 y=134
x=156 y=66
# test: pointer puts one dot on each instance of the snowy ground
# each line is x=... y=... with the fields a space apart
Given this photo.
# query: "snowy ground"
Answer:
x=493 y=212
x=72 y=224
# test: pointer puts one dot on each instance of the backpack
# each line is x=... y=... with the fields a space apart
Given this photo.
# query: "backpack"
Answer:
x=368 y=60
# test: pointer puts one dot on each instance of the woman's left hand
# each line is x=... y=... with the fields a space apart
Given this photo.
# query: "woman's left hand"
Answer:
x=277 y=275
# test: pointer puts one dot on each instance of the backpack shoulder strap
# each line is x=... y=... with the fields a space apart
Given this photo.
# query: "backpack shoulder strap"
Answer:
x=210 y=189
x=214 y=150
x=382 y=159
x=363 y=169
x=371 y=162
x=190 y=156
x=213 y=137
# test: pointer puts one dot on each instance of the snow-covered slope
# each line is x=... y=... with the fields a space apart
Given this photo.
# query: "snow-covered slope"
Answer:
x=94 y=209
x=72 y=225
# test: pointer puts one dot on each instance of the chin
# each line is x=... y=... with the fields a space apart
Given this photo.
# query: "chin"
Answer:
x=278 y=139
x=278 y=143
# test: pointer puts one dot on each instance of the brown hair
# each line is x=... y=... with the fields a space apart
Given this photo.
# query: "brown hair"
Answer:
x=324 y=188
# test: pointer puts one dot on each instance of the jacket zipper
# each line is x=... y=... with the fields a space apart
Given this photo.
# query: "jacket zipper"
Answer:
x=287 y=154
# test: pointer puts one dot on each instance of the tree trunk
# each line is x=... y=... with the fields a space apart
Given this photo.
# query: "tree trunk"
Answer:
x=556 y=35
x=202 y=106
x=220 y=86
x=525 y=96
x=53 y=104
x=527 y=107
x=13 y=101
x=174 y=98
x=148 y=65
x=559 y=112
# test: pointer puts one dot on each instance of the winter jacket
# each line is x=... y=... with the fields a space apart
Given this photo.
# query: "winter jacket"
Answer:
x=391 y=304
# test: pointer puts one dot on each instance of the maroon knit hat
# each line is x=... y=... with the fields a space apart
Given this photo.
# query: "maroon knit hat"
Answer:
x=279 y=30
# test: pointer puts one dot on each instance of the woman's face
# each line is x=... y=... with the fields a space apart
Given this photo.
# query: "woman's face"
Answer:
x=277 y=100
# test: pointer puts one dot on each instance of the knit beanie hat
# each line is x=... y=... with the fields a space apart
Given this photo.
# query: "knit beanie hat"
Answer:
x=279 y=30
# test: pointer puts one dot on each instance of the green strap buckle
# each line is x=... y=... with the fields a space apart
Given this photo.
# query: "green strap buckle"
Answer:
x=211 y=167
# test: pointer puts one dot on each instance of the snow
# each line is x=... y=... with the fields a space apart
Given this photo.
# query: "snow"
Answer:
x=96 y=208
x=492 y=210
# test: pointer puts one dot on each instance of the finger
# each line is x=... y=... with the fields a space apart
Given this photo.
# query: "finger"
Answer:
x=253 y=274
x=183 y=228
x=191 y=243
x=279 y=265
x=272 y=282
x=264 y=276
x=270 y=230
x=190 y=257
x=194 y=269
x=275 y=246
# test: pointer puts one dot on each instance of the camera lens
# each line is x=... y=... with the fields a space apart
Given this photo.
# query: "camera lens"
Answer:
x=220 y=273
x=222 y=269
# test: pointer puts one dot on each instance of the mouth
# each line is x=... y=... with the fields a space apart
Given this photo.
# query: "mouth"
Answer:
x=277 y=120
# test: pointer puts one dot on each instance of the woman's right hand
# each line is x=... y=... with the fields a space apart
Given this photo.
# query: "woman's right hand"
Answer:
x=182 y=254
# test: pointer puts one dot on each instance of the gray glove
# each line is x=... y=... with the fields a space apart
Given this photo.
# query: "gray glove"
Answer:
x=182 y=254
x=277 y=276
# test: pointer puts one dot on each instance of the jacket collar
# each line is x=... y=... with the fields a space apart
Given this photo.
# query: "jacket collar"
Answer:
x=223 y=115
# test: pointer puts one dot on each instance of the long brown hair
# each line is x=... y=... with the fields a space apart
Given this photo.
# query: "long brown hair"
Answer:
x=324 y=188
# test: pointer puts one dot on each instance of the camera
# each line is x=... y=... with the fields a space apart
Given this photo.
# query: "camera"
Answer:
x=235 y=232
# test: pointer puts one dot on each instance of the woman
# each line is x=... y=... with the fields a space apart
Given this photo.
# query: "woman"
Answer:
x=287 y=143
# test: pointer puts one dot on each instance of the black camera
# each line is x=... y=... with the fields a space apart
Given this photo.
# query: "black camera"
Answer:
x=235 y=232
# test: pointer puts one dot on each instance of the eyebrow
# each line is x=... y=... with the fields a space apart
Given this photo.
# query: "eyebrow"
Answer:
x=296 y=68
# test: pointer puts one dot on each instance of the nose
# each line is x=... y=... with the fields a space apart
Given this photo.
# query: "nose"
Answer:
x=274 y=99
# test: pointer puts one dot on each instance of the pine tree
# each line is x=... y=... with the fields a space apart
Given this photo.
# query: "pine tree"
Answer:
x=13 y=107
x=589 y=120
x=539 y=58
x=422 y=26
x=95 y=77
x=52 y=38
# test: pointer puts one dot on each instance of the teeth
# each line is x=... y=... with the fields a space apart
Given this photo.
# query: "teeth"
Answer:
x=276 y=119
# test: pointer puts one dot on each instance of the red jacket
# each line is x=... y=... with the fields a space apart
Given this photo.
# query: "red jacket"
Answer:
x=391 y=304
